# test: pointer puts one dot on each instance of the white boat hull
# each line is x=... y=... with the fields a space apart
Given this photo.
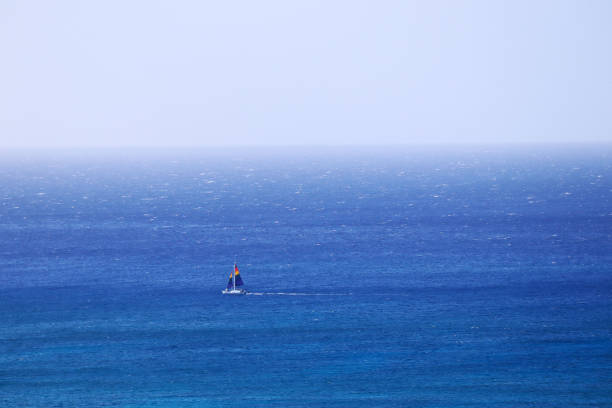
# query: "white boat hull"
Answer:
x=234 y=292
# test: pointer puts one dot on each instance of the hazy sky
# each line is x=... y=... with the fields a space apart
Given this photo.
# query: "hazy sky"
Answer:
x=151 y=73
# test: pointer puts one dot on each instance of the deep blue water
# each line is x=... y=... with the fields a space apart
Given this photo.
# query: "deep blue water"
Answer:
x=407 y=278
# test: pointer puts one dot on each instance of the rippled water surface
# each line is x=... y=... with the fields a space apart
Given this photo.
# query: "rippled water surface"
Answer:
x=420 y=278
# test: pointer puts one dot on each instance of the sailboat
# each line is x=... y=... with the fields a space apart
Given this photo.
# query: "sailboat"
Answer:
x=234 y=280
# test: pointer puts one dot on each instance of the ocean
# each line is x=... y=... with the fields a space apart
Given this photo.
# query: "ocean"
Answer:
x=378 y=277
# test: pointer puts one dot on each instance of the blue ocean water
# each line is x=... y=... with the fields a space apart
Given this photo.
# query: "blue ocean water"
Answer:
x=405 y=278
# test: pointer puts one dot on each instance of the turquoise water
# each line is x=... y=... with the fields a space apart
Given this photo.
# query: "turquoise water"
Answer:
x=415 y=278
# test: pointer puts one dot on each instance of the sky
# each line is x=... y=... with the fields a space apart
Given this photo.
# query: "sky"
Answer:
x=184 y=73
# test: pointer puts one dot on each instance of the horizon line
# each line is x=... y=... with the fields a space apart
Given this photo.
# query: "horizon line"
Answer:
x=305 y=145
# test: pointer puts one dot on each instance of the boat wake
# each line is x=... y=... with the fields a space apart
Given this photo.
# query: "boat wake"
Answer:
x=236 y=280
x=296 y=294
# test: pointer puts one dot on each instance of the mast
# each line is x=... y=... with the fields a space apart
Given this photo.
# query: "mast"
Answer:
x=234 y=276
